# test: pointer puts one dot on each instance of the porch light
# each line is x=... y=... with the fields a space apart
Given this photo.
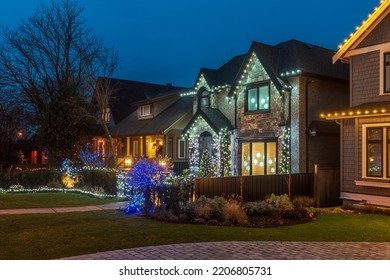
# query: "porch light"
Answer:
x=128 y=162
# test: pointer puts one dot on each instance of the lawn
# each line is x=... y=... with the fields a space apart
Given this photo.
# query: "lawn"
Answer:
x=50 y=236
x=49 y=200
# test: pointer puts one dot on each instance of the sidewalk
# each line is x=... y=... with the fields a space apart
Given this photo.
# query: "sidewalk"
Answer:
x=110 y=206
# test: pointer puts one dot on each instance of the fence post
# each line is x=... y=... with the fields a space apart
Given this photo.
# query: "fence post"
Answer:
x=316 y=186
x=242 y=188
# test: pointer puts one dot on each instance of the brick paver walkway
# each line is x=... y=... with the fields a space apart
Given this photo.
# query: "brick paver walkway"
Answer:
x=260 y=250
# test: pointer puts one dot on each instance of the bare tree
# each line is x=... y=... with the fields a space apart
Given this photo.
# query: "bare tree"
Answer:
x=51 y=58
x=103 y=95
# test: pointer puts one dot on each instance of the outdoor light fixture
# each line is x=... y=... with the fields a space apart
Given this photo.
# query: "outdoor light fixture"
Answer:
x=128 y=162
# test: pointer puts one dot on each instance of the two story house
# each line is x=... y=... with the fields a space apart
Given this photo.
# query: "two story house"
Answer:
x=255 y=101
x=145 y=120
x=365 y=124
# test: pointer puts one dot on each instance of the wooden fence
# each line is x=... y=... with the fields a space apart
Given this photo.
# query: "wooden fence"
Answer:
x=323 y=186
x=326 y=186
x=252 y=188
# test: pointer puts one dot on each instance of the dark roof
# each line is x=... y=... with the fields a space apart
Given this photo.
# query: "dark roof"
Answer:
x=225 y=74
x=127 y=92
x=214 y=118
x=310 y=59
x=293 y=55
x=172 y=119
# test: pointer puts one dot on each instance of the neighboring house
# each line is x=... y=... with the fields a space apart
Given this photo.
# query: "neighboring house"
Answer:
x=255 y=98
x=132 y=116
x=154 y=130
x=365 y=124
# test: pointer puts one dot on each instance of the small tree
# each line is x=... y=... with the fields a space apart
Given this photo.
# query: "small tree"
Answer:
x=205 y=165
x=146 y=179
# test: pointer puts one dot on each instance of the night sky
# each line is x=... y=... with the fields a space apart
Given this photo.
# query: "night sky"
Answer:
x=162 y=41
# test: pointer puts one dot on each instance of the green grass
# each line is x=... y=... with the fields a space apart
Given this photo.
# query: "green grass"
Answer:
x=49 y=200
x=50 y=236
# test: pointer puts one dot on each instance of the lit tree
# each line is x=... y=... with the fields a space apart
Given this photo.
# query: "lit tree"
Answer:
x=205 y=165
x=146 y=179
x=285 y=157
x=50 y=60
x=226 y=154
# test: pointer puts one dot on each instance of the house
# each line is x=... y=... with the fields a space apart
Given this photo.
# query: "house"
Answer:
x=261 y=108
x=154 y=130
x=145 y=120
x=365 y=124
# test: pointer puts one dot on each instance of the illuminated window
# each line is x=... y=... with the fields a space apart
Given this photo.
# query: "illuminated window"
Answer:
x=258 y=98
x=376 y=151
x=259 y=158
x=106 y=115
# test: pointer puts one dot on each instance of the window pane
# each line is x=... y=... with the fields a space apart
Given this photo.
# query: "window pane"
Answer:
x=271 y=158
x=181 y=149
x=387 y=78
x=374 y=159
x=374 y=134
x=258 y=159
x=264 y=97
x=387 y=57
x=246 y=169
x=252 y=99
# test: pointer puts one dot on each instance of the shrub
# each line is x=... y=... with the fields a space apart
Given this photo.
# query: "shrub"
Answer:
x=207 y=208
x=95 y=179
x=32 y=178
x=303 y=201
x=234 y=213
x=279 y=203
x=256 y=208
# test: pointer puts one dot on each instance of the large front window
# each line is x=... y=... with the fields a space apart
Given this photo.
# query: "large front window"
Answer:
x=258 y=98
x=259 y=158
x=376 y=151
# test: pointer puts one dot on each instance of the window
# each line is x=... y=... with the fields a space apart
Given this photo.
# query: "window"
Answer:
x=106 y=115
x=376 y=151
x=204 y=99
x=258 y=98
x=387 y=73
x=144 y=111
x=181 y=153
x=259 y=158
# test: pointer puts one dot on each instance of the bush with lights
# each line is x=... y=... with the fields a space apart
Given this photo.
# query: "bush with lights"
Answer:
x=145 y=185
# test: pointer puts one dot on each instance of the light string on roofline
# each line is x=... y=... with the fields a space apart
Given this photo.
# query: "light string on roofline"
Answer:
x=362 y=25
x=354 y=113
x=291 y=73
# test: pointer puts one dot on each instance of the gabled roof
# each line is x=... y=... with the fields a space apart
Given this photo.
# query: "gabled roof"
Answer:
x=293 y=58
x=224 y=75
x=214 y=118
x=166 y=121
x=364 y=30
x=127 y=92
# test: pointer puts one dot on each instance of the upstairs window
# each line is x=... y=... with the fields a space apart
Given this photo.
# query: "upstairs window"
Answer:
x=204 y=99
x=387 y=73
x=145 y=111
x=258 y=98
x=106 y=115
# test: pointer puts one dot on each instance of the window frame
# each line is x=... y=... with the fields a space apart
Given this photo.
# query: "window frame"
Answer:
x=385 y=145
x=142 y=114
x=266 y=160
x=385 y=64
x=181 y=153
x=257 y=86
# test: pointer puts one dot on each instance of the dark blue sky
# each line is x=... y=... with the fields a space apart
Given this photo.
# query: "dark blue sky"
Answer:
x=163 y=41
